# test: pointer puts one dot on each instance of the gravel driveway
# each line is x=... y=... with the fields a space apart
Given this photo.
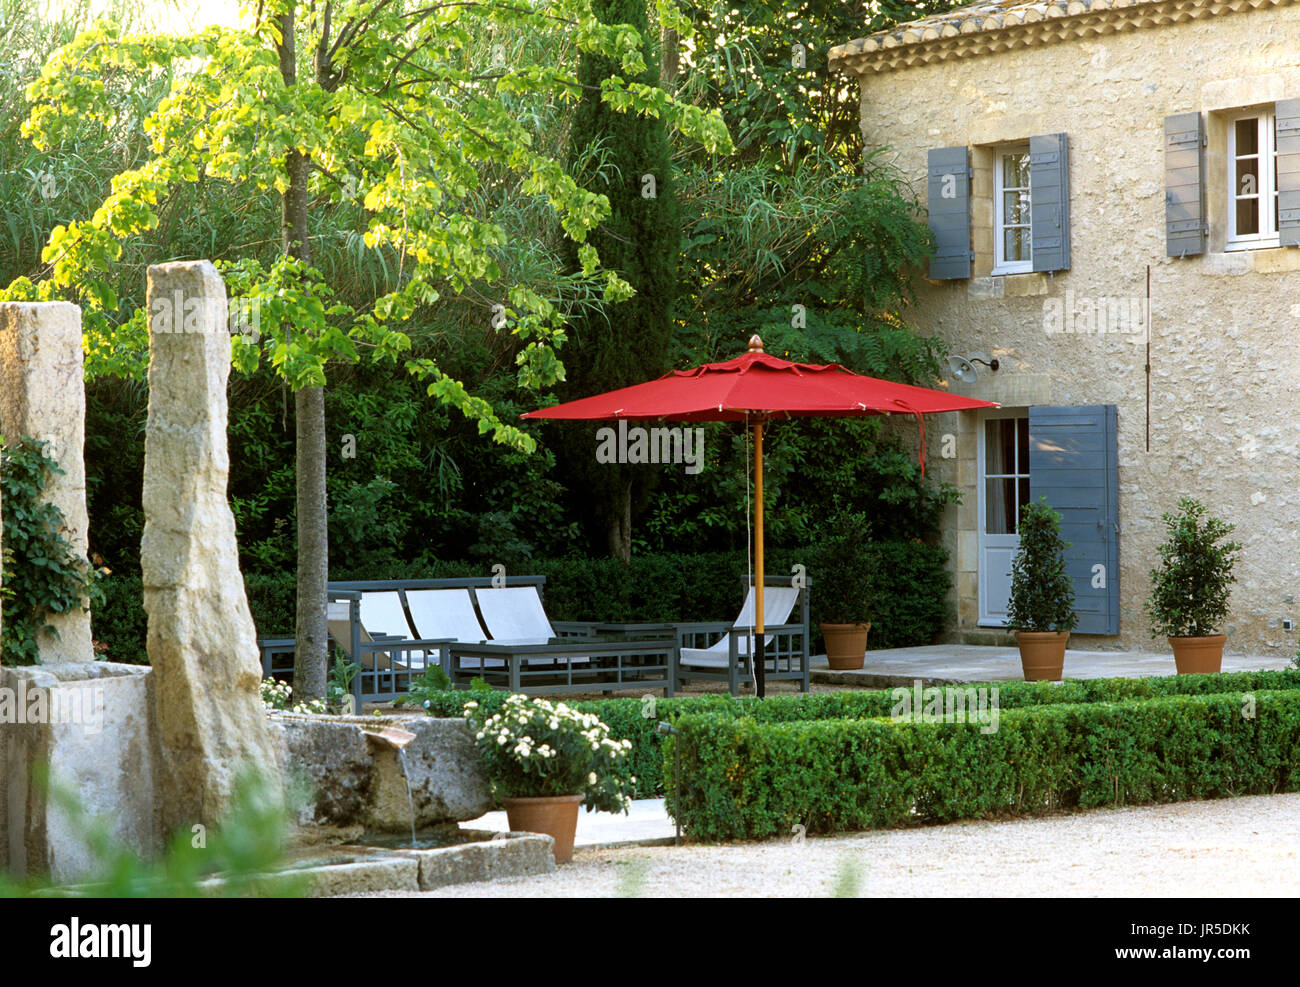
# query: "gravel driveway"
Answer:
x=1247 y=847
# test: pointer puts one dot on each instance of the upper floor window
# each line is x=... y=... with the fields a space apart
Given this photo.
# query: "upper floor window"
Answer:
x=1012 y=248
x=1252 y=181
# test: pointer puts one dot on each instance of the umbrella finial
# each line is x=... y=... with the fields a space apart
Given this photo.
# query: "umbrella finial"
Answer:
x=755 y=343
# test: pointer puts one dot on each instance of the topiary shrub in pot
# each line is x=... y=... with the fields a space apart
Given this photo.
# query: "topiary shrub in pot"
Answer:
x=1190 y=587
x=845 y=583
x=1041 y=608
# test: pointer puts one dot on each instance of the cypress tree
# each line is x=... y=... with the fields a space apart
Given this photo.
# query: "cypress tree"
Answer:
x=627 y=158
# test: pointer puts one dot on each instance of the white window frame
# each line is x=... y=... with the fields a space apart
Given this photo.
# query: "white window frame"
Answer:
x=1000 y=263
x=1267 y=192
x=985 y=616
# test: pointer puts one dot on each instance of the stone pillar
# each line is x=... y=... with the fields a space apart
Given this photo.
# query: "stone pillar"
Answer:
x=43 y=395
x=202 y=643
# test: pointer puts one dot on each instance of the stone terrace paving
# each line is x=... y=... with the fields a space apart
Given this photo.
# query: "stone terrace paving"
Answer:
x=949 y=664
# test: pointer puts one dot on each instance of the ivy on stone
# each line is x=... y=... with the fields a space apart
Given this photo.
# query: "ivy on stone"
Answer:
x=41 y=574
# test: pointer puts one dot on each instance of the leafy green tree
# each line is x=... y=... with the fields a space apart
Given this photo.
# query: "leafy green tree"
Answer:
x=626 y=158
x=357 y=100
x=765 y=65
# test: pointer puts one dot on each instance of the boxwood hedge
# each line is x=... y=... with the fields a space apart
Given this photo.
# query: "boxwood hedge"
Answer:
x=748 y=778
x=636 y=718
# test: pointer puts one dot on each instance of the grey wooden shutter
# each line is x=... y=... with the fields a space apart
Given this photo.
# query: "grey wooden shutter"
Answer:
x=1184 y=185
x=1049 y=202
x=1074 y=464
x=948 y=199
x=1288 y=172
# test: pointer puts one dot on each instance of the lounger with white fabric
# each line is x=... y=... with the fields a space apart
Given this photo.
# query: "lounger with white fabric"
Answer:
x=516 y=614
x=371 y=629
x=730 y=657
x=446 y=614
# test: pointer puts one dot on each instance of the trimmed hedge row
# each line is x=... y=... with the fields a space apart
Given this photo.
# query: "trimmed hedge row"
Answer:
x=742 y=778
x=636 y=719
x=663 y=587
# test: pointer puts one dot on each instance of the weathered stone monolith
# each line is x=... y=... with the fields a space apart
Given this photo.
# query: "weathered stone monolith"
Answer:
x=202 y=643
x=43 y=396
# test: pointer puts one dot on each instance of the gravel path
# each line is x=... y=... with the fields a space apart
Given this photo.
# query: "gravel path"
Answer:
x=1240 y=847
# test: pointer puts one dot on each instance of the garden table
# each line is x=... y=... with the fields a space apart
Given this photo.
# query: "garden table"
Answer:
x=600 y=663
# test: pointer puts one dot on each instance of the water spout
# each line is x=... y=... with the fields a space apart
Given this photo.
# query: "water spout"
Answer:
x=395 y=738
x=401 y=756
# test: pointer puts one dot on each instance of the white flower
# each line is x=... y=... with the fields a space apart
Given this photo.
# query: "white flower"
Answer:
x=591 y=778
x=501 y=739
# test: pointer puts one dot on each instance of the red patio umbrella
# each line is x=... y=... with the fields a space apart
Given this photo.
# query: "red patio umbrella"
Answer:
x=754 y=388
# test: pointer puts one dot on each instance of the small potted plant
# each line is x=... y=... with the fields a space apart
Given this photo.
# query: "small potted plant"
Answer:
x=1191 y=585
x=845 y=589
x=1041 y=608
x=543 y=760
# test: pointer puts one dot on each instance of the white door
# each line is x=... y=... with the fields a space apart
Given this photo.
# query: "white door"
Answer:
x=1003 y=489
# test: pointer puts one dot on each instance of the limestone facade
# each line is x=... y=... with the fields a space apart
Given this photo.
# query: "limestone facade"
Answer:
x=1224 y=382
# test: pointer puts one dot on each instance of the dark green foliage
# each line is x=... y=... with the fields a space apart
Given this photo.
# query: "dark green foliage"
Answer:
x=777 y=109
x=636 y=719
x=119 y=624
x=743 y=778
x=625 y=157
x=42 y=574
x=807 y=464
x=1042 y=597
x=1191 y=584
x=843 y=576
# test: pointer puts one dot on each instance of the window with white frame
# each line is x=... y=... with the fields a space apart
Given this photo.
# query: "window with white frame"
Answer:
x=1252 y=181
x=1012 y=254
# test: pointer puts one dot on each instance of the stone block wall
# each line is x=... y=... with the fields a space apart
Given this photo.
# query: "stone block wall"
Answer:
x=1225 y=402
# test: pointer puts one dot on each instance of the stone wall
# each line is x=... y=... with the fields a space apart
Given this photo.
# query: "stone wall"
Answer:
x=1225 y=397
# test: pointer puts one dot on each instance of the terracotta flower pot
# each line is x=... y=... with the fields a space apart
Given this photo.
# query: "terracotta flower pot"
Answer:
x=846 y=644
x=1042 y=654
x=555 y=816
x=1198 y=655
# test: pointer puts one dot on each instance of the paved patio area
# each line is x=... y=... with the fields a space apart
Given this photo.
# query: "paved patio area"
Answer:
x=945 y=664
x=646 y=824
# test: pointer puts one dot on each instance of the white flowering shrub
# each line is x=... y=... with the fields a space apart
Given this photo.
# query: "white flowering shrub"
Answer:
x=534 y=748
x=279 y=695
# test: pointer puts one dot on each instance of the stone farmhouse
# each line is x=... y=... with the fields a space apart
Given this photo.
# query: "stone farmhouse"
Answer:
x=1114 y=190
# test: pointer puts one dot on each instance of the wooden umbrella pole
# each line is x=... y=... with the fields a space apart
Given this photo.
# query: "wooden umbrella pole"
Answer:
x=759 y=658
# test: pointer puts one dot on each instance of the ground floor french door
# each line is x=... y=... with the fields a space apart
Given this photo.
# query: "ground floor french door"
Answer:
x=1003 y=487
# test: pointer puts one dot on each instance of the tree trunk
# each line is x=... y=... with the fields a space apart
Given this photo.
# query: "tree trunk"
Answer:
x=670 y=60
x=620 y=527
x=311 y=632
